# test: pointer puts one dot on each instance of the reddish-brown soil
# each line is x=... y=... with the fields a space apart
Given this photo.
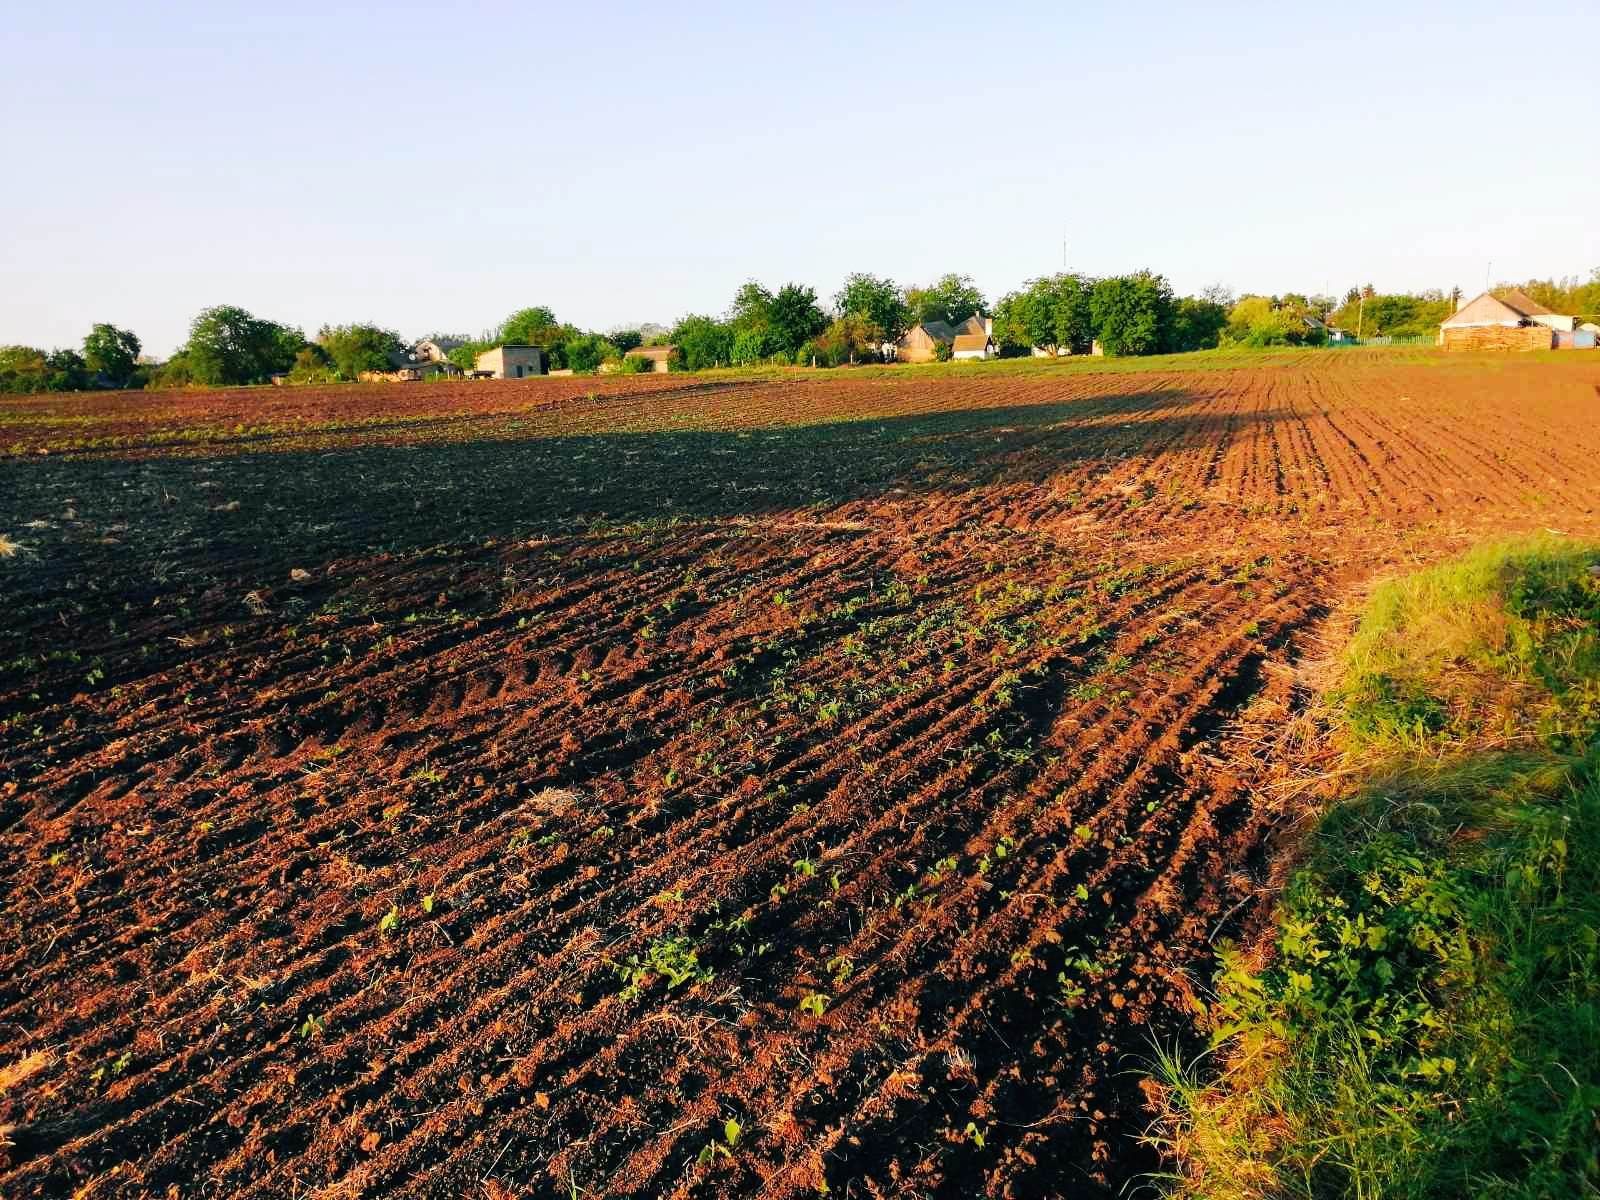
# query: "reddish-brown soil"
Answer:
x=355 y=742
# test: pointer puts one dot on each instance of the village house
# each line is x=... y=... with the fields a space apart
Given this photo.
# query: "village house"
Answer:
x=659 y=357
x=509 y=362
x=1514 y=321
x=972 y=339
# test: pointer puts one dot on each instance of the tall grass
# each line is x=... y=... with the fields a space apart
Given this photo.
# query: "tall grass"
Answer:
x=1427 y=1023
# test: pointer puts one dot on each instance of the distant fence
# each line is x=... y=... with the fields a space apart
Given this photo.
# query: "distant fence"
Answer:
x=1416 y=339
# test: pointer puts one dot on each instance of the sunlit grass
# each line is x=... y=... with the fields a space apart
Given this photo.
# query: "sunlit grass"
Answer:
x=1428 y=1021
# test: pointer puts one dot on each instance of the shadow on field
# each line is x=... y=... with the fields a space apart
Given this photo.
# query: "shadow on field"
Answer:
x=100 y=533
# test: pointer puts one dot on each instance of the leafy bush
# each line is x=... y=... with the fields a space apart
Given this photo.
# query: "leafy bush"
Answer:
x=1428 y=1024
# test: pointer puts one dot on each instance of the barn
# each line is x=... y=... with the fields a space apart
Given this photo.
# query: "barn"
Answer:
x=920 y=343
x=1513 y=321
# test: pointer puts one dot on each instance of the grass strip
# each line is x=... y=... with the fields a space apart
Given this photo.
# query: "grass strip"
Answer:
x=1426 y=1020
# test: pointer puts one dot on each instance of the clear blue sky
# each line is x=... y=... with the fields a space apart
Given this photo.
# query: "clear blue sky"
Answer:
x=435 y=167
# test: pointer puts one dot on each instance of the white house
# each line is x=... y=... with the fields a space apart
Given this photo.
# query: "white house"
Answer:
x=973 y=339
x=1514 y=321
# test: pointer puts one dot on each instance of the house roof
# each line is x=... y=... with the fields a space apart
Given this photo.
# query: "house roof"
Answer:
x=651 y=351
x=445 y=344
x=939 y=331
x=1525 y=304
x=971 y=341
x=1486 y=309
x=973 y=324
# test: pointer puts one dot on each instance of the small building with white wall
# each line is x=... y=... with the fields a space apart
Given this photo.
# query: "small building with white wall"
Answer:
x=509 y=362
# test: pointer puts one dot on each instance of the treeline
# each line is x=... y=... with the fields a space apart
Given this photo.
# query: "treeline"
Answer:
x=109 y=359
x=1124 y=314
x=1066 y=313
x=790 y=326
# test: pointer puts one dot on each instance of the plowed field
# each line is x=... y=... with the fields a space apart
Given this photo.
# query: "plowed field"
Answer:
x=497 y=790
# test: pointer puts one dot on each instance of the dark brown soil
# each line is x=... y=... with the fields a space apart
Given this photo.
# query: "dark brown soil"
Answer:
x=356 y=741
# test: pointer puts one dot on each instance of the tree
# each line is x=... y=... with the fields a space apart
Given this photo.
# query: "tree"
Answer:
x=352 y=349
x=847 y=339
x=227 y=345
x=1133 y=314
x=880 y=301
x=1197 y=324
x=702 y=342
x=794 y=317
x=466 y=354
x=111 y=352
x=528 y=327
x=1074 y=314
x=587 y=351
x=65 y=371
x=625 y=339
x=752 y=307
x=23 y=369
x=312 y=365
x=1261 y=321
x=749 y=346
x=952 y=299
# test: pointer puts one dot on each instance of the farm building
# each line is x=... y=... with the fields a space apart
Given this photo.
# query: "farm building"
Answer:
x=920 y=343
x=509 y=362
x=1514 y=321
x=660 y=357
x=974 y=339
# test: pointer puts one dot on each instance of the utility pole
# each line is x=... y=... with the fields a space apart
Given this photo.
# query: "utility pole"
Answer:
x=1361 y=313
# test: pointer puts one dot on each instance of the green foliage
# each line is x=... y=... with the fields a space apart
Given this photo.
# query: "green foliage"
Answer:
x=878 y=301
x=465 y=355
x=850 y=338
x=1398 y=315
x=111 y=352
x=1260 y=321
x=635 y=365
x=587 y=351
x=1197 y=324
x=1429 y=1024
x=1133 y=314
x=312 y=365
x=765 y=323
x=952 y=299
x=174 y=373
x=352 y=349
x=703 y=342
x=749 y=346
x=1567 y=295
x=1052 y=313
x=534 y=326
x=227 y=345
x=65 y=371
x=672 y=959
x=22 y=369
x=624 y=339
